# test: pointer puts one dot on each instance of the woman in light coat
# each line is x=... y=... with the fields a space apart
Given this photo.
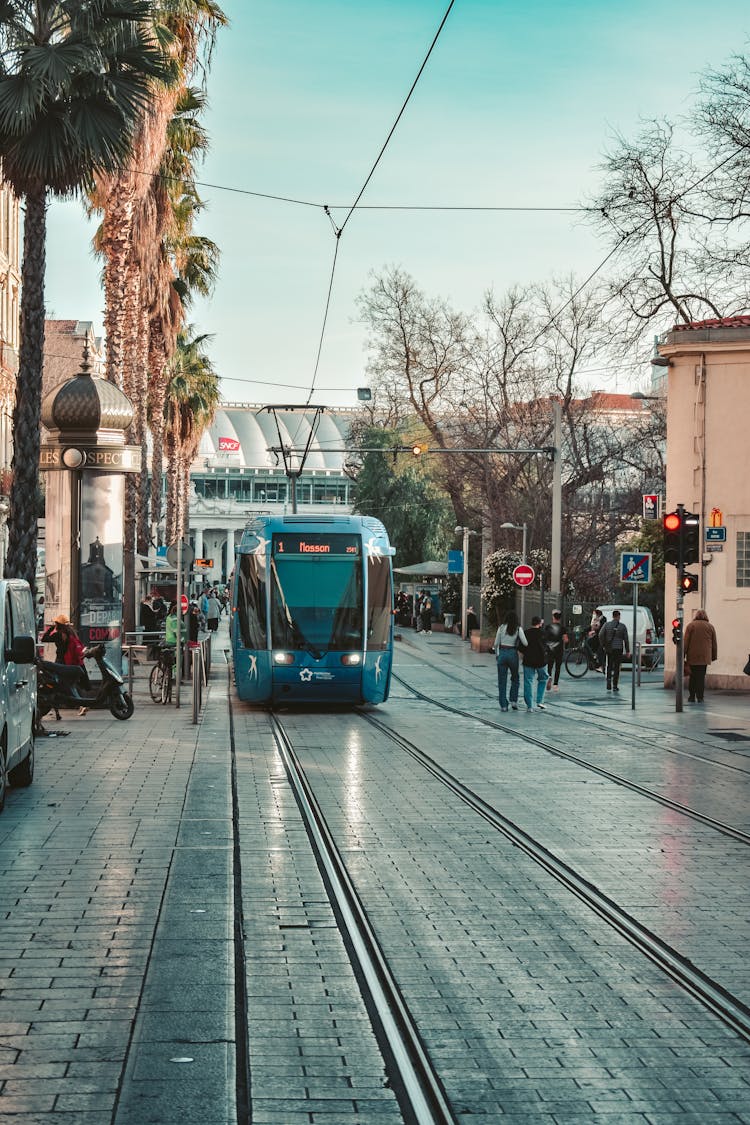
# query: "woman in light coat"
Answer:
x=700 y=651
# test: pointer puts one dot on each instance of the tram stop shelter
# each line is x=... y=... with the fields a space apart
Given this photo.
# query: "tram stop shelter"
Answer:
x=430 y=576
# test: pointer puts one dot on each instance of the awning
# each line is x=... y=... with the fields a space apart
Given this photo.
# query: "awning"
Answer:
x=432 y=569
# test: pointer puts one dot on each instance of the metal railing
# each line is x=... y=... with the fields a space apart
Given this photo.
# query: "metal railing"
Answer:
x=196 y=662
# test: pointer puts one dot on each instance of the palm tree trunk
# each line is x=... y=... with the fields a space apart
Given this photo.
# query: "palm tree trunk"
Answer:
x=117 y=231
x=143 y=353
x=157 y=363
x=22 y=518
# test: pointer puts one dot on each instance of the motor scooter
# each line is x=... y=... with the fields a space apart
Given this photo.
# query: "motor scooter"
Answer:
x=61 y=685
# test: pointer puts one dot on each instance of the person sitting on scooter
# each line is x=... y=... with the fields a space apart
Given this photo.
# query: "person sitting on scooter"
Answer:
x=68 y=648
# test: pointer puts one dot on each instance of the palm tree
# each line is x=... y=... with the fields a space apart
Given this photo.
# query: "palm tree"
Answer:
x=192 y=400
x=75 y=77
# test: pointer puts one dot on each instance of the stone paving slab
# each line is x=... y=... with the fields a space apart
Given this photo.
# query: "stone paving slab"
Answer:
x=107 y=970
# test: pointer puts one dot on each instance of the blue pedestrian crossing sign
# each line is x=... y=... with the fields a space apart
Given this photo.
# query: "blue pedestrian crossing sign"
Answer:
x=635 y=567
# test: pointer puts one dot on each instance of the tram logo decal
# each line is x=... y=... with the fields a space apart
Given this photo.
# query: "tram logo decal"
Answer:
x=253 y=669
x=378 y=670
x=308 y=674
x=373 y=549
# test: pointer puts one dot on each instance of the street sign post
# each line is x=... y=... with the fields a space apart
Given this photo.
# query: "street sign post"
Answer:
x=455 y=562
x=635 y=567
x=523 y=575
x=650 y=505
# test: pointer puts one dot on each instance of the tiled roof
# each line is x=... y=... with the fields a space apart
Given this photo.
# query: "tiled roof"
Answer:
x=718 y=322
x=603 y=400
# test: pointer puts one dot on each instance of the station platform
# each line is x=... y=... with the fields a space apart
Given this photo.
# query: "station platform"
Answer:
x=160 y=902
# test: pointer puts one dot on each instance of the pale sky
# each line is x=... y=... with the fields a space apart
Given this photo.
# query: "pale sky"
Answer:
x=515 y=107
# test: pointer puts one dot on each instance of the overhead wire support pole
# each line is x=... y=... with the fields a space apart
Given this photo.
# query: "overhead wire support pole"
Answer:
x=287 y=452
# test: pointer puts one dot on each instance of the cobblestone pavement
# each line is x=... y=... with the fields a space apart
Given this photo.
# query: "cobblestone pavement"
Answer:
x=117 y=909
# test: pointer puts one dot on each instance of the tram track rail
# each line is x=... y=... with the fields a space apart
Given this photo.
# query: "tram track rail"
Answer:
x=713 y=996
x=626 y=783
x=414 y=1080
x=592 y=720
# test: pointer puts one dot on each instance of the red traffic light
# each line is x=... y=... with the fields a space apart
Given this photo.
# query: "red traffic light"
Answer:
x=672 y=521
x=675 y=622
x=689 y=583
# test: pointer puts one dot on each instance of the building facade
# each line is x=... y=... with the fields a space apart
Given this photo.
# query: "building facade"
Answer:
x=708 y=406
x=236 y=475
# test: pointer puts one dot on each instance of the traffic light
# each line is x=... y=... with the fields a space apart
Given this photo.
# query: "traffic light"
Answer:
x=672 y=531
x=691 y=539
x=689 y=583
x=684 y=527
x=676 y=630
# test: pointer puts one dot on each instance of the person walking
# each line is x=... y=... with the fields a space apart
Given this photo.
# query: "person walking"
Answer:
x=509 y=637
x=214 y=612
x=555 y=639
x=425 y=615
x=614 y=641
x=598 y=621
x=534 y=666
x=700 y=650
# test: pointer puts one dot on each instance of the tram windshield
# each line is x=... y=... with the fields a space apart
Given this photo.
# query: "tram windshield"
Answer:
x=316 y=602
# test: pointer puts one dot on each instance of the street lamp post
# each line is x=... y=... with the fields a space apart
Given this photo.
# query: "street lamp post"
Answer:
x=520 y=527
x=465 y=578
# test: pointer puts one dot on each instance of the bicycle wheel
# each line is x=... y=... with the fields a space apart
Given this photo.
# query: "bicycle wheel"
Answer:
x=576 y=663
x=155 y=682
x=166 y=685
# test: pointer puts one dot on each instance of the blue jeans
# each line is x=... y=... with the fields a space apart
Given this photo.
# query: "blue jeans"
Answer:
x=529 y=675
x=507 y=661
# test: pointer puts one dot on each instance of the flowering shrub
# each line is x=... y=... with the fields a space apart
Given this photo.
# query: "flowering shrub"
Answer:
x=499 y=589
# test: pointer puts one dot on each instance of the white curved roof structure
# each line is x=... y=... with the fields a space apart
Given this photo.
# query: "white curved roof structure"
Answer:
x=241 y=435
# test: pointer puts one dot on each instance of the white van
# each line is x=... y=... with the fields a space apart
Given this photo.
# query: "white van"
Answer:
x=645 y=633
x=17 y=684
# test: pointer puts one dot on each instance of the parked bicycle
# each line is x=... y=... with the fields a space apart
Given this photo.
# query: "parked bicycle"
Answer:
x=162 y=675
x=581 y=659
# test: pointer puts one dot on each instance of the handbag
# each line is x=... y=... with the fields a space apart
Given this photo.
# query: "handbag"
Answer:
x=746 y=669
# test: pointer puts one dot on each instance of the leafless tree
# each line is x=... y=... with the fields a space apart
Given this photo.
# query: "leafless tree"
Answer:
x=650 y=210
x=485 y=382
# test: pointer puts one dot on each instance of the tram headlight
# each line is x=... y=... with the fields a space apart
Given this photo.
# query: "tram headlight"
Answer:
x=283 y=658
x=351 y=658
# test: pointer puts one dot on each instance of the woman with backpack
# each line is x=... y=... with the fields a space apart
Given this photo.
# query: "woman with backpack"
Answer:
x=69 y=648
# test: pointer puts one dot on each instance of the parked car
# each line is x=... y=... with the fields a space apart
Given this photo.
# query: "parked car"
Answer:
x=645 y=633
x=17 y=684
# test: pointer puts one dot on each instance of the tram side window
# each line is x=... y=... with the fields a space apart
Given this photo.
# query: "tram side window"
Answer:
x=379 y=603
x=251 y=602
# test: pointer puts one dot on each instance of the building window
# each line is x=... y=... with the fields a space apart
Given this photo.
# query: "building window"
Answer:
x=743 y=558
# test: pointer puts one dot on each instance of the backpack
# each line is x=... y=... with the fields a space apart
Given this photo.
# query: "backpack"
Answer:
x=74 y=652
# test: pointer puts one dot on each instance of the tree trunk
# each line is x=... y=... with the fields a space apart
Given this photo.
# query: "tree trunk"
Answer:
x=118 y=224
x=22 y=518
x=156 y=391
x=142 y=538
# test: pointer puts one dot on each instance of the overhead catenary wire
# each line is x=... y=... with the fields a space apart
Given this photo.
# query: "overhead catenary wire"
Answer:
x=338 y=231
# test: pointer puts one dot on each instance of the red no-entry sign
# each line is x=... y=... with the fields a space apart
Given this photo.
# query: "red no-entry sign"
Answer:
x=523 y=575
x=184 y=603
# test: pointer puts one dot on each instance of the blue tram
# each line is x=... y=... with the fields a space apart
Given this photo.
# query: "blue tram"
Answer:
x=312 y=610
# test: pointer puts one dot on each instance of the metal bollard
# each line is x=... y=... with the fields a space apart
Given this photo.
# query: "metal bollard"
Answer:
x=197 y=674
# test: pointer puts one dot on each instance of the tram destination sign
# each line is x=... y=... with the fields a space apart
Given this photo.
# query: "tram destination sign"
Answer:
x=315 y=543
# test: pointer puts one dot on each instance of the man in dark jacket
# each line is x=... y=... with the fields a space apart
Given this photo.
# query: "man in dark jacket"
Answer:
x=700 y=650
x=613 y=638
x=534 y=666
